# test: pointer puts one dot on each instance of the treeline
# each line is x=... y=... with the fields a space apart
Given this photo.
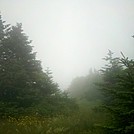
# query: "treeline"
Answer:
x=31 y=102
x=113 y=86
x=25 y=89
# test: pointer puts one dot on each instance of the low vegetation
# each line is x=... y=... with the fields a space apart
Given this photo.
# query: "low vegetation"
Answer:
x=82 y=122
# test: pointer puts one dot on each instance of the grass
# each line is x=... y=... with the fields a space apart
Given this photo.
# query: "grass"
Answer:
x=80 y=122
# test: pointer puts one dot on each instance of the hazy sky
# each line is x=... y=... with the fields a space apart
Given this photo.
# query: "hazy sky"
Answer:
x=71 y=36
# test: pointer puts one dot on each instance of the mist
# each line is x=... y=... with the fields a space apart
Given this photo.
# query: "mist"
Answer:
x=72 y=36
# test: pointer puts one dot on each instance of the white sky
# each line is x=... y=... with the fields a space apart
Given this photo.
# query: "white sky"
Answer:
x=71 y=36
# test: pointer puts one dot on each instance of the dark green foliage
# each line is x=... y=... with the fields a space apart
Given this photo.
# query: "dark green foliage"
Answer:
x=118 y=90
x=24 y=87
x=19 y=70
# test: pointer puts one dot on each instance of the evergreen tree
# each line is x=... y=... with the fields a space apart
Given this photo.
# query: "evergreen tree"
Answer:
x=23 y=84
x=3 y=29
x=118 y=90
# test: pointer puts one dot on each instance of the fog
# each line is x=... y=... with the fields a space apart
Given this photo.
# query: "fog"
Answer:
x=72 y=36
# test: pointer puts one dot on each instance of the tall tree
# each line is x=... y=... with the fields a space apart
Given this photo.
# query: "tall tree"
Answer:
x=22 y=80
x=118 y=90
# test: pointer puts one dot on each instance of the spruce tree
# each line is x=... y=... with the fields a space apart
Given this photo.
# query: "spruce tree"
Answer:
x=118 y=90
x=23 y=84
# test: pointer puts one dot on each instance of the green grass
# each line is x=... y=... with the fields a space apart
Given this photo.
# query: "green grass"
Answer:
x=80 y=122
x=83 y=121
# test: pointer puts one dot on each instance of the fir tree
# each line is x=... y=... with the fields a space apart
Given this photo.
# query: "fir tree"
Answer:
x=23 y=84
x=118 y=90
